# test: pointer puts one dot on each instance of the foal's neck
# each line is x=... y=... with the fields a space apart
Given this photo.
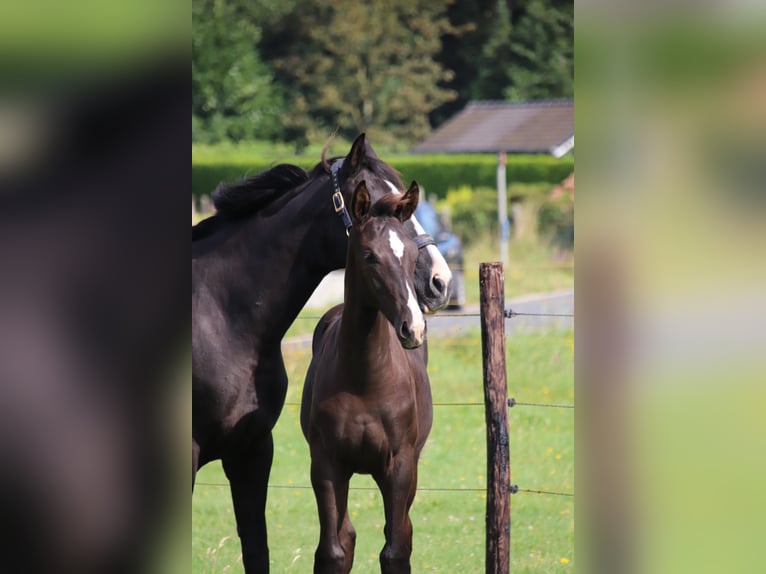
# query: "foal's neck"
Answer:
x=367 y=338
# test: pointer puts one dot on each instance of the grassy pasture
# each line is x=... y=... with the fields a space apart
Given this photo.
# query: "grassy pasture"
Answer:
x=448 y=525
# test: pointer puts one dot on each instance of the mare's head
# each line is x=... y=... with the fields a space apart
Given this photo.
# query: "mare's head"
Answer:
x=433 y=278
x=384 y=259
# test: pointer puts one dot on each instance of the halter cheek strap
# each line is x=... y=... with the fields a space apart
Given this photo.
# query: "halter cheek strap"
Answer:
x=421 y=241
x=337 y=196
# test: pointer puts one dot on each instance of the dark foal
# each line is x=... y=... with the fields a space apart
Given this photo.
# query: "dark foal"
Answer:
x=366 y=405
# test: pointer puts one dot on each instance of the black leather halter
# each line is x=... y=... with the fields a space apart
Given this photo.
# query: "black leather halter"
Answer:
x=422 y=241
x=337 y=196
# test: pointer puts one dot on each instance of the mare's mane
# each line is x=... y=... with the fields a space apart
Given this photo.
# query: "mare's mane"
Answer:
x=245 y=197
x=250 y=195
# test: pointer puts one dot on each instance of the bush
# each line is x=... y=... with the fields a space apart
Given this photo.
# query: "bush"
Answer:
x=437 y=174
x=473 y=211
x=555 y=220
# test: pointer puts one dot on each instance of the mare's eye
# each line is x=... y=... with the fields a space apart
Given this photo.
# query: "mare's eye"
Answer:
x=369 y=257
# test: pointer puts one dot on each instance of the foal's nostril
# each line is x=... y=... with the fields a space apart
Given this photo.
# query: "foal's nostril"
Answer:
x=438 y=284
x=404 y=331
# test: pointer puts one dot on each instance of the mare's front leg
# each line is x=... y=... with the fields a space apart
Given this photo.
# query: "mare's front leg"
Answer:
x=195 y=461
x=398 y=489
x=335 y=551
x=248 y=473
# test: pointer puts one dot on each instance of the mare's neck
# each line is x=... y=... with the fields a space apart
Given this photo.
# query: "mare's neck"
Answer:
x=286 y=262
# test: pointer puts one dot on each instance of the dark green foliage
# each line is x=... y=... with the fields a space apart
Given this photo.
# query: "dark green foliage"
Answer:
x=508 y=49
x=233 y=97
x=295 y=70
x=542 y=51
x=361 y=67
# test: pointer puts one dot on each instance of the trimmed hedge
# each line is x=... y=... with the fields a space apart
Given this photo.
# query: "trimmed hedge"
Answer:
x=435 y=173
x=438 y=173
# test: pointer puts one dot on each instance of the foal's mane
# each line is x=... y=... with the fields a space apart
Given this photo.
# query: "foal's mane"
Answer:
x=385 y=206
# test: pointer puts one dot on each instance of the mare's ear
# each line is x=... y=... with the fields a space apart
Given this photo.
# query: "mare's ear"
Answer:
x=408 y=202
x=360 y=202
x=357 y=155
x=369 y=151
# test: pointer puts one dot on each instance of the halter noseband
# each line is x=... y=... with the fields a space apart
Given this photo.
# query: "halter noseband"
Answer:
x=423 y=240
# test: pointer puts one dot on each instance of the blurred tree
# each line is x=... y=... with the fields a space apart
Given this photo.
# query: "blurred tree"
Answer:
x=508 y=49
x=297 y=69
x=361 y=66
x=232 y=92
x=542 y=50
x=462 y=46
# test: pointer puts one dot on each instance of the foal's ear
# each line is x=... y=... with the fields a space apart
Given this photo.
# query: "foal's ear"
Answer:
x=408 y=202
x=360 y=202
x=357 y=155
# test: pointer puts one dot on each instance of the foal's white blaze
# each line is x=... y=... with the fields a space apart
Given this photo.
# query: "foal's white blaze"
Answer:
x=440 y=268
x=418 y=325
x=396 y=244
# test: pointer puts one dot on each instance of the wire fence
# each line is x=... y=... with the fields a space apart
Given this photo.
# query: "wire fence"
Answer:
x=509 y=313
x=512 y=403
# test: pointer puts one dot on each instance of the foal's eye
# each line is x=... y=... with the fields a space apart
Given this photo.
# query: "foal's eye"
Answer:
x=369 y=257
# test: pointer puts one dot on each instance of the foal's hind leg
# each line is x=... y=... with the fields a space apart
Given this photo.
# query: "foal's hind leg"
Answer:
x=398 y=490
x=347 y=537
x=248 y=473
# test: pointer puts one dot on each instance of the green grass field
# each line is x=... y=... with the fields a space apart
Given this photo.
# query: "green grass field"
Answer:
x=448 y=525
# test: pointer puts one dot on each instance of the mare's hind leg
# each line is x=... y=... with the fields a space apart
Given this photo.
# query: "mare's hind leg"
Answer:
x=248 y=473
x=398 y=490
x=335 y=551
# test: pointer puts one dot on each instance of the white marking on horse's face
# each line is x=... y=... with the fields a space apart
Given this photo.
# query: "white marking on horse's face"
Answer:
x=396 y=244
x=440 y=268
x=418 y=322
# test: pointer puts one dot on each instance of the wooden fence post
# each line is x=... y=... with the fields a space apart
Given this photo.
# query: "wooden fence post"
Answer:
x=498 y=517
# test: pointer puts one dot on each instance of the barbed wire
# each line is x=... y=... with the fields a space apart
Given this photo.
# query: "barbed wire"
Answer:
x=512 y=402
x=513 y=488
x=510 y=314
x=507 y=313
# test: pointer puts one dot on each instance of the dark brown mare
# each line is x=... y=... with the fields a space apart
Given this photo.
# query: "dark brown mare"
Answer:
x=366 y=404
x=254 y=265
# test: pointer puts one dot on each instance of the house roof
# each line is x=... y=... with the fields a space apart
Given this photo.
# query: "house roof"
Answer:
x=513 y=127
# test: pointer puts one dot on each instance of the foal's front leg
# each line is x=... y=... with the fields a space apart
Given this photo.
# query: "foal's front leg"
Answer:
x=335 y=552
x=398 y=490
